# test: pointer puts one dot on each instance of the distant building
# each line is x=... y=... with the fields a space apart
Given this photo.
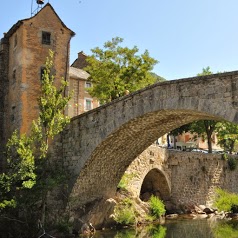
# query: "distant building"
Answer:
x=78 y=83
x=23 y=51
x=81 y=101
x=187 y=141
x=80 y=62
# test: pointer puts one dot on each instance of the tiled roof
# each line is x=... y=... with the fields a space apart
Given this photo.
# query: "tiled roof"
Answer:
x=78 y=73
x=18 y=24
x=81 y=61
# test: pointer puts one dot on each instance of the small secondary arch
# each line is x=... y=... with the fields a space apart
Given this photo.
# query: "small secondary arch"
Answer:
x=155 y=183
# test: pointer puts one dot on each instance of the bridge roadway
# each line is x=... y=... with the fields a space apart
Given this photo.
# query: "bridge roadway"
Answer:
x=98 y=146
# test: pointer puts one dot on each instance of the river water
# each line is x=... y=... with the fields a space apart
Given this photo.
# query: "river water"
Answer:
x=183 y=228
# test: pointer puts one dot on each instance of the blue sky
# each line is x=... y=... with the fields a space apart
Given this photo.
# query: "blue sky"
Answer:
x=183 y=35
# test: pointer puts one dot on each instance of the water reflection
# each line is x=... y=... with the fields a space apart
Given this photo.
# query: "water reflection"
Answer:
x=178 y=229
x=225 y=229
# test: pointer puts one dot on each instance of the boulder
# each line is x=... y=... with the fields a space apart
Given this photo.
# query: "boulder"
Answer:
x=208 y=210
x=172 y=216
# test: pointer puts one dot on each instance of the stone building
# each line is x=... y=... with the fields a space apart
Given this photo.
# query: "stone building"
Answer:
x=78 y=82
x=80 y=62
x=23 y=52
x=81 y=100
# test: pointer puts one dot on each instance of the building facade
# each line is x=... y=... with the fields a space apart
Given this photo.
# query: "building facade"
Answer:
x=23 y=53
x=79 y=82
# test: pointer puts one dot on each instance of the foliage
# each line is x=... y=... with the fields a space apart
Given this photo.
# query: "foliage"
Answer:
x=157 y=231
x=20 y=170
x=157 y=77
x=204 y=129
x=30 y=175
x=51 y=104
x=126 y=233
x=124 y=182
x=64 y=226
x=180 y=130
x=125 y=212
x=205 y=71
x=227 y=133
x=221 y=230
x=224 y=156
x=157 y=207
x=232 y=163
x=116 y=70
x=224 y=201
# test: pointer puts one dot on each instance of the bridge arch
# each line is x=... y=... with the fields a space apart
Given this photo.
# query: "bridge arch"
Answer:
x=155 y=183
x=99 y=146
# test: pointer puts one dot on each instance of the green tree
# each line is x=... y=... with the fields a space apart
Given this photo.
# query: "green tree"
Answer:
x=227 y=134
x=116 y=70
x=204 y=129
x=30 y=176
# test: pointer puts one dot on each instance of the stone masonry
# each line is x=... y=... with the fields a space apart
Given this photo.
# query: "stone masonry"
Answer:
x=23 y=52
x=191 y=177
x=97 y=147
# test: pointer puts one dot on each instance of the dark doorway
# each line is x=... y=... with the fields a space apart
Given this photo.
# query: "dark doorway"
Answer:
x=155 y=183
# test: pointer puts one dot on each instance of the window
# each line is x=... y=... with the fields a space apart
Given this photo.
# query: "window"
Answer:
x=88 y=104
x=88 y=84
x=13 y=113
x=46 y=38
x=14 y=76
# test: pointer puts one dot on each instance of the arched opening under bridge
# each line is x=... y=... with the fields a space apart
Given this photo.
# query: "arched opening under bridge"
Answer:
x=155 y=183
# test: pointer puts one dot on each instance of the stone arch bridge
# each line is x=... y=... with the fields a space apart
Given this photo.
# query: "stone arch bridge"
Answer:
x=98 y=146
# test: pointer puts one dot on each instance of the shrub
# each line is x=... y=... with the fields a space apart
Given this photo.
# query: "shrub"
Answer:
x=232 y=163
x=157 y=207
x=123 y=184
x=224 y=156
x=225 y=201
x=64 y=226
x=125 y=212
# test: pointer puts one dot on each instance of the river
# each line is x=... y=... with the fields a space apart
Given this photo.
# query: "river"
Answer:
x=183 y=228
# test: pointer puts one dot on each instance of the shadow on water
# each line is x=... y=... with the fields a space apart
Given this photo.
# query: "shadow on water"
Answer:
x=178 y=229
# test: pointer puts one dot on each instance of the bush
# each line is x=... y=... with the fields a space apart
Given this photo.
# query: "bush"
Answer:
x=157 y=207
x=125 y=212
x=64 y=226
x=124 y=182
x=232 y=163
x=225 y=201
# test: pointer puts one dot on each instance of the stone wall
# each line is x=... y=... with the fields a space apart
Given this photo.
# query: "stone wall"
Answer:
x=153 y=158
x=191 y=176
x=4 y=83
x=195 y=176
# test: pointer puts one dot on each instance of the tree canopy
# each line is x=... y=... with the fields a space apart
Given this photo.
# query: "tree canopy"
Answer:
x=227 y=135
x=115 y=70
